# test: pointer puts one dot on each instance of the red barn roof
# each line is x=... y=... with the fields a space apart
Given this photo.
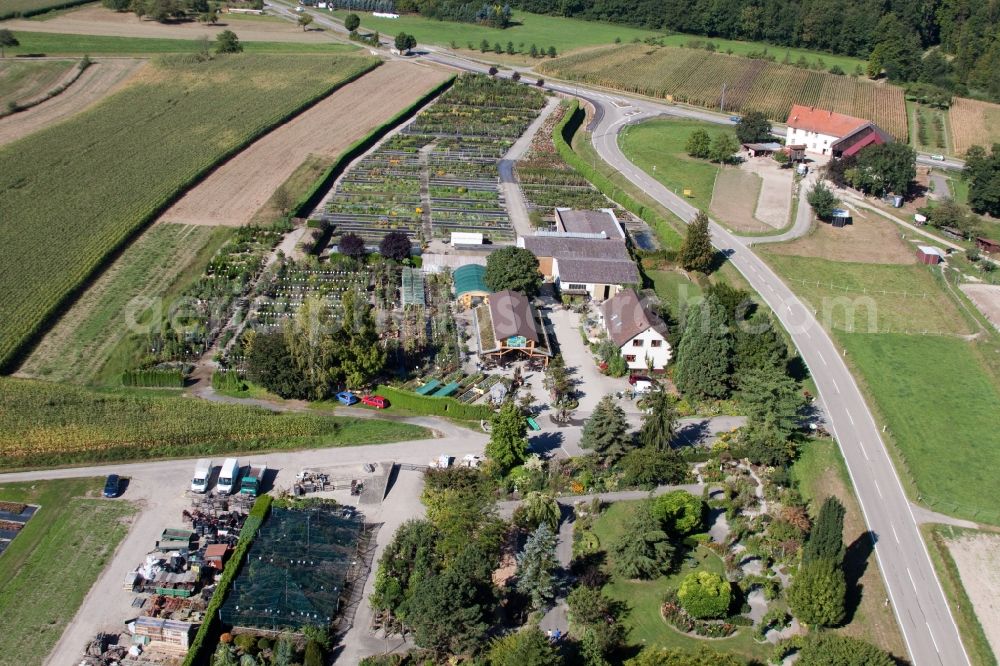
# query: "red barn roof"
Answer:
x=824 y=121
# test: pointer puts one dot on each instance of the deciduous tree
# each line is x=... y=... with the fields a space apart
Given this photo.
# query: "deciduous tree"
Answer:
x=352 y=22
x=351 y=245
x=513 y=268
x=699 y=144
x=395 y=245
x=754 y=127
x=724 y=146
x=822 y=201
x=305 y=20
x=679 y=512
x=647 y=467
x=526 y=647
x=538 y=508
x=227 y=42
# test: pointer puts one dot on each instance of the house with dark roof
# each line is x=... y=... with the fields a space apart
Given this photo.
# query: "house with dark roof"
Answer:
x=825 y=132
x=509 y=325
x=586 y=256
x=637 y=331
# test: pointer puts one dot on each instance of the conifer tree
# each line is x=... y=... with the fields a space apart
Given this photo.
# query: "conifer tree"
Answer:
x=606 y=431
x=697 y=253
x=702 y=369
x=536 y=566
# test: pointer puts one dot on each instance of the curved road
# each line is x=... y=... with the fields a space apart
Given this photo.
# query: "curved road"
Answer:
x=928 y=627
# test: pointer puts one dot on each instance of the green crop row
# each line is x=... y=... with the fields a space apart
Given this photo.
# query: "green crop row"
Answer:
x=200 y=652
x=74 y=194
x=154 y=378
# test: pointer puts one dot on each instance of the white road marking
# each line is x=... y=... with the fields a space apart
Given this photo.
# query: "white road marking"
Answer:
x=821 y=357
x=864 y=451
x=931 y=634
x=912 y=582
x=880 y=495
x=894 y=532
x=850 y=417
x=835 y=384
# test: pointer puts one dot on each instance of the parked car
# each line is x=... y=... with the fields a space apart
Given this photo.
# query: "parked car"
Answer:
x=376 y=401
x=347 y=398
x=937 y=158
x=112 y=485
x=734 y=119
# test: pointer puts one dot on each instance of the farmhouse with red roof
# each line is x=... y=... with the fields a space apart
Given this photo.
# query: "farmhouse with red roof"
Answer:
x=825 y=132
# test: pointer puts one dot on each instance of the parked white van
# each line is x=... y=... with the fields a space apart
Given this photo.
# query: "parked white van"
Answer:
x=229 y=477
x=202 y=474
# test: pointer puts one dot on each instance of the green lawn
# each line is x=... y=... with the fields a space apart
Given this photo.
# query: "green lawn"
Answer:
x=868 y=298
x=565 y=34
x=941 y=409
x=674 y=288
x=658 y=148
x=50 y=43
x=46 y=424
x=49 y=567
x=646 y=626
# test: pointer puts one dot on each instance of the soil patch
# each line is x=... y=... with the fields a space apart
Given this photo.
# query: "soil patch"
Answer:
x=97 y=20
x=977 y=557
x=237 y=190
x=869 y=240
x=734 y=200
x=102 y=78
x=987 y=299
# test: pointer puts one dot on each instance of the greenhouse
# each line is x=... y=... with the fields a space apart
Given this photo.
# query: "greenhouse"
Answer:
x=297 y=569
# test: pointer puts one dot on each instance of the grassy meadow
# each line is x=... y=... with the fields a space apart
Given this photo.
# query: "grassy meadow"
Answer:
x=94 y=181
x=21 y=81
x=658 y=147
x=46 y=424
x=47 y=570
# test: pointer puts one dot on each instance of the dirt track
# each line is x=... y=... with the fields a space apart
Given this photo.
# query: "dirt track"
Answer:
x=987 y=299
x=98 y=80
x=232 y=194
x=977 y=556
x=95 y=20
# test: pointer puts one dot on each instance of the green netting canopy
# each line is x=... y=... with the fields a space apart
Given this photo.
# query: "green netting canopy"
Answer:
x=469 y=280
x=295 y=570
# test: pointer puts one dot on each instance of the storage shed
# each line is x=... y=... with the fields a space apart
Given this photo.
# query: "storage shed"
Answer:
x=466 y=238
x=215 y=555
x=927 y=254
x=470 y=286
x=840 y=218
x=170 y=632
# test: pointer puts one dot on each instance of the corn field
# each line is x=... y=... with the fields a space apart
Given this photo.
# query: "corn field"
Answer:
x=72 y=194
x=40 y=421
x=701 y=78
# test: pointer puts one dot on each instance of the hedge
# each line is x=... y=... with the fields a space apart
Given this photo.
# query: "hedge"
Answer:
x=203 y=645
x=228 y=380
x=562 y=137
x=435 y=406
x=314 y=194
x=154 y=378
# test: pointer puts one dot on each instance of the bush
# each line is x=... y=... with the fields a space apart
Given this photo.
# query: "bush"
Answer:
x=705 y=595
x=154 y=378
x=245 y=642
x=228 y=380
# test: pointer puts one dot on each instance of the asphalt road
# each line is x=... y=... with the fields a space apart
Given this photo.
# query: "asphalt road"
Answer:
x=928 y=627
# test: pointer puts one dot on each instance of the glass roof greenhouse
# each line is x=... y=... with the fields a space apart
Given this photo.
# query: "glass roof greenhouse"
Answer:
x=296 y=569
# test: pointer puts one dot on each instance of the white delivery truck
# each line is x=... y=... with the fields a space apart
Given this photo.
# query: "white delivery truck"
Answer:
x=229 y=477
x=202 y=474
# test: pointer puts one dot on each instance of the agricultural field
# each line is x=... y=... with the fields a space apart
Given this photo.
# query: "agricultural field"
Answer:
x=234 y=192
x=701 y=78
x=439 y=174
x=566 y=34
x=12 y=8
x=973 y=123
x=547 y=181
x=870 y=239
x=101 y=79
x=77 y=348
x=21 y=81
x=929 y=131
x=97 y=179
x=70 y=44
x=45 y=424
x=74 y=533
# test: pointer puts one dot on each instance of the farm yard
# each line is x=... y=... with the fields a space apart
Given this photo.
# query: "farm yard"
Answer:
x=701 y=78
x=100 y=79
x=973 y=123
x=54 y=560
x=439 y=174
x=232 y=194
x=46 y=424
x=97 y=179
